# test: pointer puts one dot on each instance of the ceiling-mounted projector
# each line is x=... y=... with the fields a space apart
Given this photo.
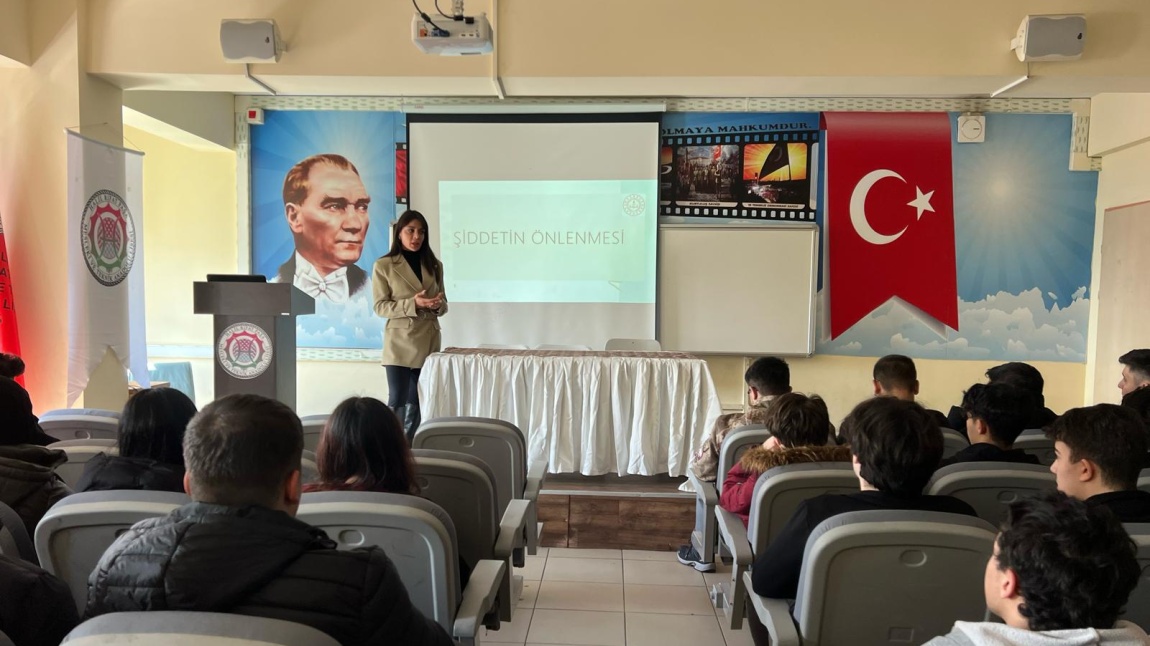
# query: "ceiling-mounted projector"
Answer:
x=465 y=36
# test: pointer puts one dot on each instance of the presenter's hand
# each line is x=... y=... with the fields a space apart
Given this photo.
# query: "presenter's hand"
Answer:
x=421 y=300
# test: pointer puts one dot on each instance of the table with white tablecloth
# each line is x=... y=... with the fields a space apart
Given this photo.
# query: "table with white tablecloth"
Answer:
x=588 y=412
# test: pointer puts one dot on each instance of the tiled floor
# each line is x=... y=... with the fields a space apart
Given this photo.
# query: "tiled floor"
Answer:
x=615 y=598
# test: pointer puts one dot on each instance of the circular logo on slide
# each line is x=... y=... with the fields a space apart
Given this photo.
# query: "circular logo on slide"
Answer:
x=634 y=204
x=108 y=238
x=244 y=350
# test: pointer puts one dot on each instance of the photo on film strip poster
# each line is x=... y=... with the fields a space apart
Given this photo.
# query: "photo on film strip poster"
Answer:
x=740 y=165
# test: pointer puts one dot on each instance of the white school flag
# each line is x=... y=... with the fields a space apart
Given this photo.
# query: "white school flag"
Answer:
x=105 y=260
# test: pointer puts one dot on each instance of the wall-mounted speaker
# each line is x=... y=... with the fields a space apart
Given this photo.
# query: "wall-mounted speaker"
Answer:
x=250 y=41
x=1050 y=38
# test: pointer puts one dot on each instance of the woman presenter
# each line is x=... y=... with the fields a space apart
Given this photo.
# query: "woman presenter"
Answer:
x=407 y=285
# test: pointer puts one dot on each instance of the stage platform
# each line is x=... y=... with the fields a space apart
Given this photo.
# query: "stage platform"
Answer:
x=615 y=512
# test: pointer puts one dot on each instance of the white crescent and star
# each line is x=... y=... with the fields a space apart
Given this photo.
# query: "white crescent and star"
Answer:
x=862 y=226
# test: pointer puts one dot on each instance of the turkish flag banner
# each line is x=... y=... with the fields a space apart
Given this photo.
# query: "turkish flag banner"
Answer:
x=890 y=215
x=9 y=333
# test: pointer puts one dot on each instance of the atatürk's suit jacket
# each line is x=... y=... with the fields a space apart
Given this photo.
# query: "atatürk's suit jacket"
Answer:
x=412 y=333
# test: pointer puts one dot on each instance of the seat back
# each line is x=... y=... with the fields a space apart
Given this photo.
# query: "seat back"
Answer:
x=466 y=491
x=5 y=640
x=633 y=345
x=95 y=412
x=416 y=534
x=76 y=531
x=193 y=628
x=308 y=470
x=312 y=429
x=735 y=445
x=498 y=443
x=80 y=427
x=780 y=491
x=1138 y=606
x=79 y=452
x=1034 y=442
x=952 y=442
x=990 y=487
x=14 y=540
x=884 y=577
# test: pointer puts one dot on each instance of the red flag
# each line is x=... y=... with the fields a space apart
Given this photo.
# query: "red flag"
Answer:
x=890 y=215
x=9 y=334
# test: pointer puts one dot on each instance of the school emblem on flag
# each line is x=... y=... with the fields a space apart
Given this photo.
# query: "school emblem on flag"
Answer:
x=244 y=350
x=108 y=238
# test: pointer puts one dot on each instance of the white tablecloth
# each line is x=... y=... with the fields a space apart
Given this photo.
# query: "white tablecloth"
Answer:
x=588 y=412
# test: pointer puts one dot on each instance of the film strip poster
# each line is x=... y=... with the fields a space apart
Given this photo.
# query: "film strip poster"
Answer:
x=760 y=166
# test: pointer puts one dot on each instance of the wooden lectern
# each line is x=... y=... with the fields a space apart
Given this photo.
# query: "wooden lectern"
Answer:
x=254 y=349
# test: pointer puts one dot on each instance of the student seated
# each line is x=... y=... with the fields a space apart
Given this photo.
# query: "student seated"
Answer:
x=1098 y=453
x=798 y=434
x=896 y=376
x=238 y=547
x=1061 y=573
x=28 y=480
x=150 y=439
x=895 y=447
x=767 y=378
x=1139 y=401
x=36 y=608
x=363 y=448
x=1135 y=371
x=11 y=366
x=1015 y=373
x=996 y=414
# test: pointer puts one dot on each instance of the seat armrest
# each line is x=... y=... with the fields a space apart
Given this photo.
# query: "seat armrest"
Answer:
x=478 y=600
x=705 y=491
x=511 y=527
x=775 y=615
x=734 y=536
x=535 y=474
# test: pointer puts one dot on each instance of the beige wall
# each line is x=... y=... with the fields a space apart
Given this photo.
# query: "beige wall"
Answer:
x=634 y=48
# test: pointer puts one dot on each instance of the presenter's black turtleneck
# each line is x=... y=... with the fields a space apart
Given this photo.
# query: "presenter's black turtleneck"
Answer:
x=412 y=258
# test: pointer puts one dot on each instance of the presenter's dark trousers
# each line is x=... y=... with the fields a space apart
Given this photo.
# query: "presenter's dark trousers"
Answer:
x=403 y=397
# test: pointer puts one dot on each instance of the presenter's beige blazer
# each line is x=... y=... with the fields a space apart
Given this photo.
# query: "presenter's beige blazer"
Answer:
x=411 y=334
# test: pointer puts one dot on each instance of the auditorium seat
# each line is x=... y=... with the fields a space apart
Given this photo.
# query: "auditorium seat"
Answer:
x=1034 y=442
x=4 y=640
x=953 y=442
x=778 y=493
x=703 y=537
x=79 y=452
x=308 y=471
x=312 y=429
x=1144 y=480
x=464 y=487
x=633 y=345
x=193 y=628
x=94 y=412
x=879 y=577
x=80 y=427
x=502 y=446
x=76 y=531
x=14 y=540
x=1138 y=607
x=420 y=539
x=990 y=487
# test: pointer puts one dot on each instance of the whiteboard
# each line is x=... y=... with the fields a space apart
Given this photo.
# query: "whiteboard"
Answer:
x=735 y=289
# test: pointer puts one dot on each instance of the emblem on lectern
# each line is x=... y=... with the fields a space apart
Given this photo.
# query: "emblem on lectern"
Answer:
x=244 y=350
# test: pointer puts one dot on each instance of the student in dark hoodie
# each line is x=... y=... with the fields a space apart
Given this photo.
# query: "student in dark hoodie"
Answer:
x=1015 y=373
x=798 y=426
x=36 y=608
x=238 y=548
x=150 y=440
x=996 y=414
x=28 y=480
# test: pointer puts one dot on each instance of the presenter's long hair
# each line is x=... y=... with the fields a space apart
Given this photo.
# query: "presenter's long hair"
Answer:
x=363 y=448
x=153 y=423
x=426 y=255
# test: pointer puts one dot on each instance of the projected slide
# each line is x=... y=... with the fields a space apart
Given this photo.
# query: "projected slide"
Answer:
x=548 y=241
